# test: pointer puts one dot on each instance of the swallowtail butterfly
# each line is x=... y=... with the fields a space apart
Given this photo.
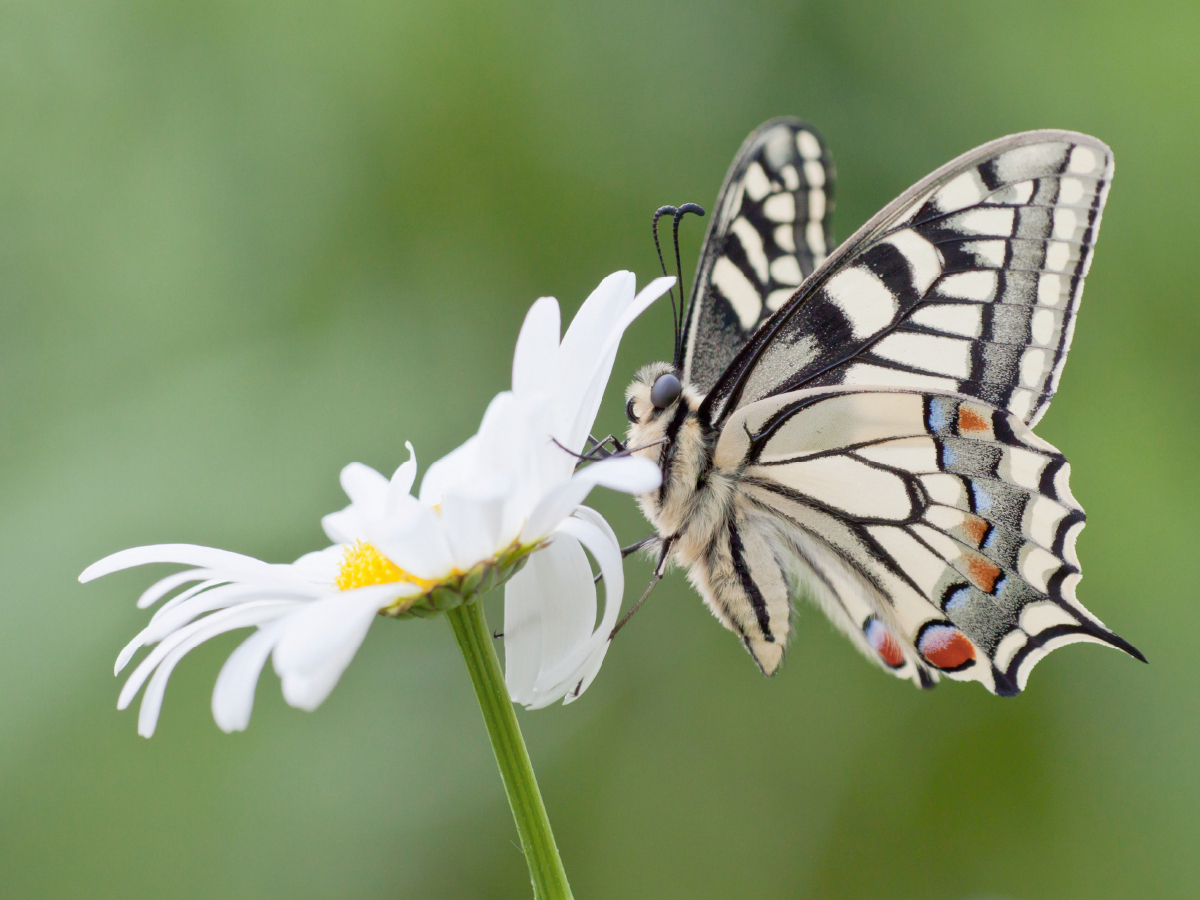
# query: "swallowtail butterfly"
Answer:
x=855 y=426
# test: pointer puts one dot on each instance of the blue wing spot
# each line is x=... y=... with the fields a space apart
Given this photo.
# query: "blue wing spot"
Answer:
x=941 y=413
x=949 y=457
x=957 y=598
x=983 y=502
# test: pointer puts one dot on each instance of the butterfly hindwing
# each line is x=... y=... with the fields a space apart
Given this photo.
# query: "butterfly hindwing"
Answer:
x=769 y=231
x=968 y=283
x=935 y=529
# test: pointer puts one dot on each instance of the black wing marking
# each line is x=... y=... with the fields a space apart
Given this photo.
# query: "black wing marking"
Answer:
x=937 y=530
x=969 y=282
x=771 y=229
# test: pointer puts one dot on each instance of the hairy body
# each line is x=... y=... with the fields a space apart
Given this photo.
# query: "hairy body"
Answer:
x=711 y=528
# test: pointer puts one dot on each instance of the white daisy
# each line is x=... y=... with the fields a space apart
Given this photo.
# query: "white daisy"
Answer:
x=483 y=511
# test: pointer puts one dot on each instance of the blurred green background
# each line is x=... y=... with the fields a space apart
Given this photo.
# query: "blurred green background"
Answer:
x=243 y=243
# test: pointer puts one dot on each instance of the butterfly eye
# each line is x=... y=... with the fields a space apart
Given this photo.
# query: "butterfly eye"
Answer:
x=666 y=390
x=629 y=411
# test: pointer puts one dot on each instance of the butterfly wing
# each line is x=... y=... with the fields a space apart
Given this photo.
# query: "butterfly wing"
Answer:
x=770 y=230
x=935 y=529
x=969 y=283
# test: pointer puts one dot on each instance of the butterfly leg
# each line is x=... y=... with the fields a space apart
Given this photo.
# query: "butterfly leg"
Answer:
x=659 y=570
x=600 y=447
x=599 y=451
x=647 y=541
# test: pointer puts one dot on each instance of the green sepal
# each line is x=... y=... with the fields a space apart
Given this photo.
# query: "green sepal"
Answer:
x=463 y=587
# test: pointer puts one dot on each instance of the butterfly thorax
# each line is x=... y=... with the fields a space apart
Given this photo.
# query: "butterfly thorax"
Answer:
x=694 y=497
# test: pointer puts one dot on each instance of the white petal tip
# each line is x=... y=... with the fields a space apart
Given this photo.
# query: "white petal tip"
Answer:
x=125 y=656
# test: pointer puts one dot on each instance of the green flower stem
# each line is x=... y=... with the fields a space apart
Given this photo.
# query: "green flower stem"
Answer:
x=537 y=841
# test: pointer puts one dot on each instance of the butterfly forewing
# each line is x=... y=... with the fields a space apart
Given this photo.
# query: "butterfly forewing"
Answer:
x=937 y=530
x=969 y=283
x=769 y=231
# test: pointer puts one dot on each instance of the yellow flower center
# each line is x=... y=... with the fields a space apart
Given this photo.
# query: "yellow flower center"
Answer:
x=363 y=565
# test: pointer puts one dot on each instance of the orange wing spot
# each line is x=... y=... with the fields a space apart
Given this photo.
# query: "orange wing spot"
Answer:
x=974 y=529
x=946 y=647
x=885 y=645
x=982 y=571
x=890 y=650
x=971 y=421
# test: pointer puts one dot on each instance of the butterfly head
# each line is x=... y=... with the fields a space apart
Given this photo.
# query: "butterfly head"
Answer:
x=656 y=401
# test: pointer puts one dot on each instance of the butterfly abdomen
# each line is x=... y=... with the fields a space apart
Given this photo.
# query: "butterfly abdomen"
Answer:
x=726 y=549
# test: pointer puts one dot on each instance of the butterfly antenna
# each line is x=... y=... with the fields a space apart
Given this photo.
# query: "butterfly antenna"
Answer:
x=679 y=214
x=668 y=211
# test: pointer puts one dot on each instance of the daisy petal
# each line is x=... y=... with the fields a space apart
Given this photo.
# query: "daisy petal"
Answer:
x=587 y=673
x=233 y=695
x=164 y=586
x=420 y=548
x=225 y=596
x=184 y=554
x=185 y=596
x=549 y=611
x=600 y=541
x=345 y=526
x=404 y=476
x=472 y=527
x=244 y=616
x=308 y=690
x=365 y=487
x=581 y=347
x=590 y=386
x=630 y=474
x=450 y=470
x=192 y=638
x=314 y=632
x=321 y=566
x=589 y=328
x=535 y=362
